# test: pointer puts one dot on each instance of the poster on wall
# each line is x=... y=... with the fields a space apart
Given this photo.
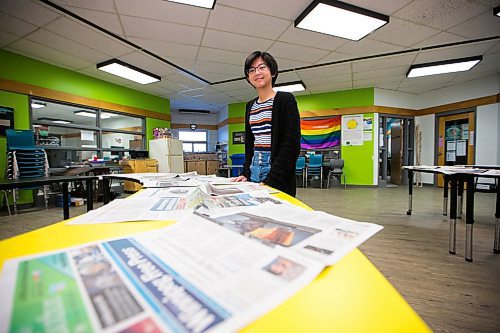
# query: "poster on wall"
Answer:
x=6 y=119
x=352 y=130
x=238 y=137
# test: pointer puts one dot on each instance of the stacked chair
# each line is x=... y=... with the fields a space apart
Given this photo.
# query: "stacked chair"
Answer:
x=300 y=169
x=24 y=160
x=336 y=170
x=315 y=168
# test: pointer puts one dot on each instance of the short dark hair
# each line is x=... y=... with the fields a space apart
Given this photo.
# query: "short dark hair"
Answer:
x=268 y=59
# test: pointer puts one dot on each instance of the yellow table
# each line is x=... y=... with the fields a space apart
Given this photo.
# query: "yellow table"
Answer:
x=351 y=296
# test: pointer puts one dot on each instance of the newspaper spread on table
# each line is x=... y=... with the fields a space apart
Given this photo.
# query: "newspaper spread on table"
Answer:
x=230 y=258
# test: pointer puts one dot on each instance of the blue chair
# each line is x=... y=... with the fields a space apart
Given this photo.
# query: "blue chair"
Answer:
x=24 y=160
x=315 y=168
x=300 y=169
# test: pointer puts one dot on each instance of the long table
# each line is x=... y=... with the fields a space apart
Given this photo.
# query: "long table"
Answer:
x=457 y=177
x=351 y=296
x=10 y=184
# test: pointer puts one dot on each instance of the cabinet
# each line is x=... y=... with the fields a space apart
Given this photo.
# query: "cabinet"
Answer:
x=138 y=166
x=202 y=167
x=169 y=154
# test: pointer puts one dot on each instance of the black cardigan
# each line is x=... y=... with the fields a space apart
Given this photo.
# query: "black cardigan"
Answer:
x=285 y=143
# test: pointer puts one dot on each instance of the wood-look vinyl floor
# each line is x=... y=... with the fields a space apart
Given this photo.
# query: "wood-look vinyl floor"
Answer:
x=451 y=295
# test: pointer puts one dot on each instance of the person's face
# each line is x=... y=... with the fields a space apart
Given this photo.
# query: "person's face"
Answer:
x=259 y=74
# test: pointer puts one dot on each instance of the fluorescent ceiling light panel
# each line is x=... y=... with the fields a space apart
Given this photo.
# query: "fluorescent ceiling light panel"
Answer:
x=106 y=115
x=210 y=4
x=442 y=67
x=496 y=11
x=127 y=71
x=55 y=121
x=340 y=19
x=290 y=86
x=85 y=114
x=38 y=105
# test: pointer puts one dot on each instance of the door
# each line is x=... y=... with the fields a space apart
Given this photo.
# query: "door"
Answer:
x=456 y=140
x=396 y=153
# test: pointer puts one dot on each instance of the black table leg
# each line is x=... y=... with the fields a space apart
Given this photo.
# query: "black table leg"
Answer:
x=460 y=198
x=496 y=246
x=65 y=200
x=105 y=190
x=453 y=215
x=410 y=191
x=445 y=194
x=469 y=217
x=90 y=194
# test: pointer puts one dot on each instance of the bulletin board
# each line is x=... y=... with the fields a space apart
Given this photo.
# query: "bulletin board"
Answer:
x=6 y=119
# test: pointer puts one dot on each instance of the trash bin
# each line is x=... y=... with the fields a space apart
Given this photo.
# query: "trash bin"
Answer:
x=237 y=159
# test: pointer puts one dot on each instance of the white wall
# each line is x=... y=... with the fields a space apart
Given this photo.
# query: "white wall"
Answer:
x=468 y=90
x=427 y=126
x=395 y=99
x=198 y=119
x=488 y=136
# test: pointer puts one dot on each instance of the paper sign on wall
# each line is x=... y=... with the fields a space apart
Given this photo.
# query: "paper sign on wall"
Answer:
x=352 y=130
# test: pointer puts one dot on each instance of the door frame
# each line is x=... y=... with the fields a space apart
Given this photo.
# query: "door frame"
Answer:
x=471 y=149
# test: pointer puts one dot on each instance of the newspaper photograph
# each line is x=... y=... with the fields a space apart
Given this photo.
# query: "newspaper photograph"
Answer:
x=189 y=277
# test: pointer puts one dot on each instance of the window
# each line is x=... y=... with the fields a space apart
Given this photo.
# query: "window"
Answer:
x=75 y=133
x=193 y=141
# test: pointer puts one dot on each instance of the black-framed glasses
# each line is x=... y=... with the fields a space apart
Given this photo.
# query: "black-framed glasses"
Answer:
x=260 y=68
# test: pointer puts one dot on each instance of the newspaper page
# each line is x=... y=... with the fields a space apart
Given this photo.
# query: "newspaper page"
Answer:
x=318 y=235
x=189 y=277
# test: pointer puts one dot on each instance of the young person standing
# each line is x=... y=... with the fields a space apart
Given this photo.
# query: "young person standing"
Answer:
x=272 y=128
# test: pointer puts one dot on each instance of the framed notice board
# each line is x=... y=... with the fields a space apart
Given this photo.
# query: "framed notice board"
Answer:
x=6 y=119
x=238 y=137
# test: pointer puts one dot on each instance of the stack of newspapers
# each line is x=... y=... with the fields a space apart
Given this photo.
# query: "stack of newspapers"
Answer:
x=234 y=253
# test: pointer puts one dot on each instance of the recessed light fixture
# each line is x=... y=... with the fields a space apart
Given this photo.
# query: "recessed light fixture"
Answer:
x=127 y=71
x=38 y=105
x=442 y=67
x=210 y=4
x=340 y=19
x=290 y=86
x=90 y=114
x=55 y=121
x=496 y=11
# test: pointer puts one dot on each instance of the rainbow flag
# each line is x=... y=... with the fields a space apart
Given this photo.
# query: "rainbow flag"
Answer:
x=320 y=133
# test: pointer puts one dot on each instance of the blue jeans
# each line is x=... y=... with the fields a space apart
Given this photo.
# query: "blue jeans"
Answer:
x=261 y=164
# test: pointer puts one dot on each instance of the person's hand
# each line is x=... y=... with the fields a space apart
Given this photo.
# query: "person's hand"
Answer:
x=239 y=179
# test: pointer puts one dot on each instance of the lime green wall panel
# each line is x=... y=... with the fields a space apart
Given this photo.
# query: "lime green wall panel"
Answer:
x=26 y=70
x=235 y=111
x=358 y=160
x=336 y=99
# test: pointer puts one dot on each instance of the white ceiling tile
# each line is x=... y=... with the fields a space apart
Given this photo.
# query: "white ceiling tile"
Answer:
x=377 y=81
x=384 y=72
x=453 y=52
x=66 y=46
x=214 y=77
x=385 y=62
x=386 y=7
x=312 y=39
x=287 y=77
x=329 y=87
x=102 y=5
x=389 y=86
x=214 y=67
x=6 y=38
x=296 y=52
x=321 y=81
x=368 y=46
x=185 y=80
x=15 y=26
x=162 y=31
x=246 y=23
x=439 y=39
x=287 y=9
x=482 y=25
x=289 y=64
x=89 y=37
x=335 y=56
x=164 y=11
x=327 y=71
x=232 y=86
x=46 y=54
x=187 y=64
x=165 y=49
x=108 y=21
x=402 y=32
x=442 y=14
x=148 y=63
x=29 y=11
x=495 y=48
x=222 y=56
x=234 y=42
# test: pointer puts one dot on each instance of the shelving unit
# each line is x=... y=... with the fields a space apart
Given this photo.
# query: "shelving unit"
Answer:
x=221 y=151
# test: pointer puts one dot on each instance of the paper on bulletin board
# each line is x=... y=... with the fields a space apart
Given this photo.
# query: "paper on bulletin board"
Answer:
x=367 y=135
x=451 y=145
x=471 y=138
x=352 y=130
x=461 y=147
x=451 y=156
x=87 y=135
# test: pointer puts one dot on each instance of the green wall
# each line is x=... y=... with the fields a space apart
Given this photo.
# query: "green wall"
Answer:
x=358 y=159
x=154 y=123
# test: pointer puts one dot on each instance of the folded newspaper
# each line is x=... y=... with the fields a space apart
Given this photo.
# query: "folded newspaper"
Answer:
x=226 y=262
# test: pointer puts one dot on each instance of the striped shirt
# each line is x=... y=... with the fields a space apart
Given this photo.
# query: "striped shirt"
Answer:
x=260 y=124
